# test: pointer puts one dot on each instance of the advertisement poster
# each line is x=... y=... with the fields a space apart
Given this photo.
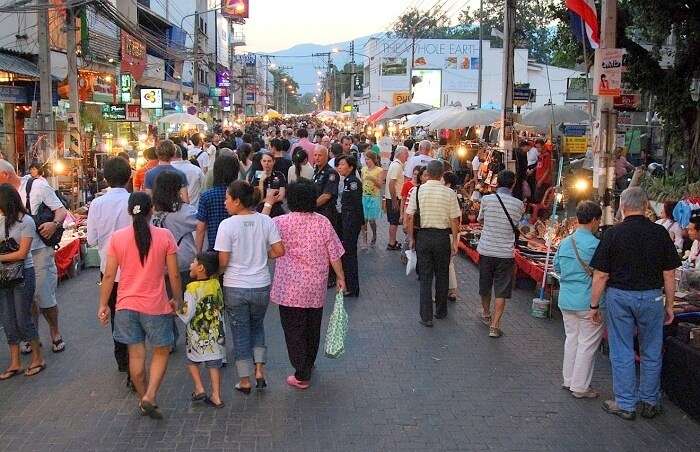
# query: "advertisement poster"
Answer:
x=133 y=56
x=608 y=74
x=428 y=89
x=458 y=61
x=400 y=97
x=151 y=98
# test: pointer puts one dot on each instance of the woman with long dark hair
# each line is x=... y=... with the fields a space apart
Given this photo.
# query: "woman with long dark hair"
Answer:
x=244 y=157
x=141 y=252
x=300 y=166
x=16 y=297
x=244 y=241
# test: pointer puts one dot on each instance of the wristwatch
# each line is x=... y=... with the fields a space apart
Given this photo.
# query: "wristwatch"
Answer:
x=594 y=307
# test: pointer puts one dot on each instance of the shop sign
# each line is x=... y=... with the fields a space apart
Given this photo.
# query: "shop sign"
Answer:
x=125 y=85
x=133 y=113
x=14 y=94
x=103 y=87
x=218 y=92
x=192 y=110
x=608 y=72
x=574 y=130
x=627 y=102
x=521 y=92
x=575 y=145
x=250 y=96
x=248 y=59
x=151 y=98
x=577 y=88
x=223 y=78
x=401 y=97
x=113 y=112
x=133 y=55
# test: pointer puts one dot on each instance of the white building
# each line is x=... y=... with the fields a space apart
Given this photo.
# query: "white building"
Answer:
x=449 y=74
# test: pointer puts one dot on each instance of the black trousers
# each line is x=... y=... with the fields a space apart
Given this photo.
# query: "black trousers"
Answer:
x=121 y=352
x=302 y=332
x=433 y=249
x=349 y=238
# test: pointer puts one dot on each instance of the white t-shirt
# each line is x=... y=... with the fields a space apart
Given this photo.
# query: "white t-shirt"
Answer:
x=532 y=156
x=203 y=158
x=247 y=238
x=416 y=160
x=41 y=192
x=195 y=179
x=476 y=163
x=394 y=175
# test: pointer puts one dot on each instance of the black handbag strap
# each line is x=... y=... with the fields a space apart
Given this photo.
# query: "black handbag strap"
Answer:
x=28 y=190
x=510 y=220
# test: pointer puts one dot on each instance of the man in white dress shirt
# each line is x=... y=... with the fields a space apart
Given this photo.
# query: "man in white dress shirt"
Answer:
x=198 y=153
x=193 y=173
x=109 y=213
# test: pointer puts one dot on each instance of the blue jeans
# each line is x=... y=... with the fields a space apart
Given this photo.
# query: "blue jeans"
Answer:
x=627 y=311
x=16 y=310
x=245 y=310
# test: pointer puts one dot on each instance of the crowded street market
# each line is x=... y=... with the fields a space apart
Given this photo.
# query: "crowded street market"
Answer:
x=442 y=235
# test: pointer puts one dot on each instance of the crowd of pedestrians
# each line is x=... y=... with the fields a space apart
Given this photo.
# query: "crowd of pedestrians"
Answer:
x=205 y=218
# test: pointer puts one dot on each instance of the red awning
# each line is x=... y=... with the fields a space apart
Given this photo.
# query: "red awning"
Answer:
x=377 y=115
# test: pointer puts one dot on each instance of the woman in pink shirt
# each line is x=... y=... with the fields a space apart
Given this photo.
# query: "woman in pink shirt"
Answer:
x=141 y=252
x=299 y=285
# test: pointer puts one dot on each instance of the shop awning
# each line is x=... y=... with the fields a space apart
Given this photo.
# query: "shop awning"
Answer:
x=17 y=65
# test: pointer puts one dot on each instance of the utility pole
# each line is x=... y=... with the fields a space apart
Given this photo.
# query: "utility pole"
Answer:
x=329 y=62
x=606 y=119
x=410 y=66
x=74 y=109
x=481 y=52
x=45 y=119
x=231 y=55
x=195 y=62
x=353 y=115
x=508 y=73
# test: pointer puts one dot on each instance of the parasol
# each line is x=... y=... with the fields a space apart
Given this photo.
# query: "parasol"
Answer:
x=543 y=117
x=427 y=117
x=465 y=118
x=405 y=109
x=273 y=114
x=377 y=115
x=182 y=118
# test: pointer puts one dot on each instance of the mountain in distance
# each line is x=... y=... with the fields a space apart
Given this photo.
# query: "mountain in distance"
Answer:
x=305 y=67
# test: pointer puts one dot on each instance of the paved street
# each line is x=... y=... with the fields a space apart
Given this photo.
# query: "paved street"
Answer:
x=400 y=386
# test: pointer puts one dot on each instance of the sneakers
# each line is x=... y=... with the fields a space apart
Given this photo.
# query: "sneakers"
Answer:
x=610 y=406
x=587 y=394
x=649 y=411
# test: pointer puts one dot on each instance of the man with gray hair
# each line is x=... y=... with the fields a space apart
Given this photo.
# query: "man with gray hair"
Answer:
x=634 y=261
x=438 y=209
x=392 y=194
x=425 y=148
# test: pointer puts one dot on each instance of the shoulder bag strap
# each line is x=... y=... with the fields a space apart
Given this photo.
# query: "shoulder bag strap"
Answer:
x=587 y=268
x=417 y=203
x=510 y=220
x=28 y=190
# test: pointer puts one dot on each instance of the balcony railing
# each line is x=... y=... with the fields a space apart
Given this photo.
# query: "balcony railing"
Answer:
x=237 y=39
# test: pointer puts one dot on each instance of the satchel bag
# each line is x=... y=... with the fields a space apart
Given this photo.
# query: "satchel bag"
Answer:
x=516 y=231
x=337 y=329
x=44 y=214
x=587 y=268
x=11 y=273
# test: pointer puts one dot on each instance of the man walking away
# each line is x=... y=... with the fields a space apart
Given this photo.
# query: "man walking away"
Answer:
x=439 y=213
x=421 y=159
x=500 y=213
x=392 y=195
x=634 y=260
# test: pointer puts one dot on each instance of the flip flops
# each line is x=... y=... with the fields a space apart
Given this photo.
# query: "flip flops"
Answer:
x=211 y=403
x=198 y=397
x=58 y=345
x=150 y=410
x=30 y=372
x=9 y=374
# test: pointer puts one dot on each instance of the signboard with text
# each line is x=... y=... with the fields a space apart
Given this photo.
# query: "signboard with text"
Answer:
x=151 y=98
x=575 y=145
x=133 y=55
x=401 y=97
x=608 y=72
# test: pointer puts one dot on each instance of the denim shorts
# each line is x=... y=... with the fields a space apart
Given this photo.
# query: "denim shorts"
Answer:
x=211 y=364
x=131 y=327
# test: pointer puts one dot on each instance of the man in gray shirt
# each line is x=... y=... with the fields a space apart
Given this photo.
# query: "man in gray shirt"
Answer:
x=500 y=213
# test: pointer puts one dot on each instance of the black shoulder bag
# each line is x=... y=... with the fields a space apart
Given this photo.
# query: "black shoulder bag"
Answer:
x=416 y=216
x=516 y=231
x=194 y=160
x=44 y=214
x=11 y=273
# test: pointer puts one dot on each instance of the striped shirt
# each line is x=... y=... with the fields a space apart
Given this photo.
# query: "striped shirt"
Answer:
x=438 y=205
x=497 y=238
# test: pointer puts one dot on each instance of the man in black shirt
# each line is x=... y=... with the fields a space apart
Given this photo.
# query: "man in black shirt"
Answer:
x=280 y=149
x=352 y=219
x=326 y=181
x=635 y=259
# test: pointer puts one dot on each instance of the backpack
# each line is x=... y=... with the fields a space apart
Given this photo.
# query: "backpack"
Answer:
x=194 y=161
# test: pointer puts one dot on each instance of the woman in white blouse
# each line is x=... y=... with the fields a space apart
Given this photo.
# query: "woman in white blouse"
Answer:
x=301 y=167
x=668 y=222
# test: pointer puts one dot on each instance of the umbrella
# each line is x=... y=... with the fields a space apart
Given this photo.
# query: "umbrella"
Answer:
x=273 y=114
x=541 y=117
x=425 y=118
x=182 y=118
x=377 y=115
x=408 y=108
x=465 y=118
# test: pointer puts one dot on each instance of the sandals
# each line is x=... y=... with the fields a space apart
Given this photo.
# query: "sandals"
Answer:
x=495 y=332
x=9 y=374
x=198 y=397
x=33 y=370
x=486 y=320
x=58 y=345
x=240 y=388
x=211 y=403
x=150 y=410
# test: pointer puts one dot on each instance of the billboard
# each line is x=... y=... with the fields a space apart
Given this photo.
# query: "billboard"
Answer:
x=457 y=59
x=427 y=88
x=608 y=72
x=151 y=98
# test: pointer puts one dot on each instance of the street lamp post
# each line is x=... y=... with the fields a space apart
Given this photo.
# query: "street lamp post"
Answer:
x=369 y=75
x=194 y=48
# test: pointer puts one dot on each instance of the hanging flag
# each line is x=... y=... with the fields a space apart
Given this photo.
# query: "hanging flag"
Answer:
x=583 y=15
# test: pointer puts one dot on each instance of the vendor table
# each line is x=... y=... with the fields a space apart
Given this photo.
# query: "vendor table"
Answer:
x=65 y=256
